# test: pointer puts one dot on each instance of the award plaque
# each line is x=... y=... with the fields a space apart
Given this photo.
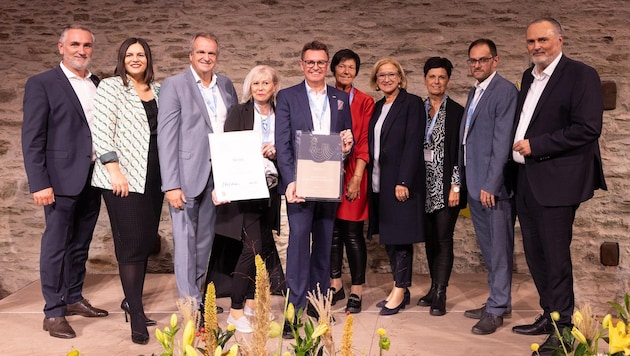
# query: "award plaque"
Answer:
x=319 y=168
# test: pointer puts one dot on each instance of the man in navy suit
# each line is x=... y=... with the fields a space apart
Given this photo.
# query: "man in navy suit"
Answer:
x=315 y=107
x=58 y=158
x=558 y=166
x=485 y=135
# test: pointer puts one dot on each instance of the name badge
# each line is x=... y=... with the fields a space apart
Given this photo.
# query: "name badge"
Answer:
x=428 y=155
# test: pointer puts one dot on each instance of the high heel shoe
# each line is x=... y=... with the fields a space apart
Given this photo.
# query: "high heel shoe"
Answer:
x=139 y=332
x=140 y=338
x=406 y=299
x=388 y=311
x=125 y=307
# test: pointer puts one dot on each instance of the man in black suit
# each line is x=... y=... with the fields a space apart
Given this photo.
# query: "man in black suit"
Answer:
x=58 y=158
x=558 y=166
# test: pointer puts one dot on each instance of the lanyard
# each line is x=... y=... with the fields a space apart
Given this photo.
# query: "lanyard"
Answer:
x=431 y=126
x=264 y=122
x=351 y=96
x=318 y=116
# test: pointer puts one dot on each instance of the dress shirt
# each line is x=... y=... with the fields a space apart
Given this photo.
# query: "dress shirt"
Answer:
x=85 y=90
x=216 y=110
x=320 y=109
x=531 y=100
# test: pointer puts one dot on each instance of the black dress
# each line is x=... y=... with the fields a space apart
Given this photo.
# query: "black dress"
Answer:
x=135 y=218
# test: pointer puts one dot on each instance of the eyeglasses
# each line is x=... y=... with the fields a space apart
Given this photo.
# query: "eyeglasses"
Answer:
x=311 y=64
x=473 y=61
x=382 y=76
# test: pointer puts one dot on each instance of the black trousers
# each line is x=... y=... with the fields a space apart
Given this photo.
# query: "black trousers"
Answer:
x=401 y=262
x=243 y=278
x=440 y=226
x=547 y=234
x=349 y=234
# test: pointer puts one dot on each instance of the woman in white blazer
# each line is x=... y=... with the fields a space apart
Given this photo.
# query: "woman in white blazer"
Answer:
x=124 y=134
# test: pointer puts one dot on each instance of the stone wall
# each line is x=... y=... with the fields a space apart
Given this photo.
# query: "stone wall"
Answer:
x=272 y=32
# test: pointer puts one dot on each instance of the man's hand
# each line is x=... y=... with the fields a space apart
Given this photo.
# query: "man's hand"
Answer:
x=346 y=141
x=176 y=198
x=291 y=195
x=44 y=197
x=486 y=199
x=522 y=147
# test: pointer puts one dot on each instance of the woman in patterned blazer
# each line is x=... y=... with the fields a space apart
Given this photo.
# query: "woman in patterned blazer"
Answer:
x=124 y=134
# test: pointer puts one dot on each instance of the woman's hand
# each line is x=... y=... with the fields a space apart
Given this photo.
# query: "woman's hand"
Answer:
x=453 y=197
x=402 y=193
x=120 y=186
x=353 y=187
x=269 y=151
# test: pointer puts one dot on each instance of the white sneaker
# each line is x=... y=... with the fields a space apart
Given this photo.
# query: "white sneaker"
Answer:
x=250 y=312
x=241 y=324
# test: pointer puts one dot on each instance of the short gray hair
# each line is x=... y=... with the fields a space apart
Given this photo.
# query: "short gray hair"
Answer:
x=62 y=38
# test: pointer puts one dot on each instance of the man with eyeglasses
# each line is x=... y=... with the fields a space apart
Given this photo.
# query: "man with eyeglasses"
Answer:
x=315 y=107
x=558 y=166
x=485 y=135
x=193 y=104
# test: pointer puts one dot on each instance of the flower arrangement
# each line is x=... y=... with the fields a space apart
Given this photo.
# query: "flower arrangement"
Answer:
x=587 y=332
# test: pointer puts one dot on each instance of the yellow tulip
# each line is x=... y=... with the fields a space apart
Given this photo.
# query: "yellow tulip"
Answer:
x=274 y=330
x=233 y=350
x=607 y=322
x=289 y=314
x=159 y=335
x=320 y=330
x=381 y=332
x=577 y=334
x=535 y=347
x=189 y=333
x=218 y=351
x=173 y=321
x=555 y=316
x=578 y=318
x=619 y=340
x=286 y=353
x=231 y=327
x=73 y=353
x=190 y=351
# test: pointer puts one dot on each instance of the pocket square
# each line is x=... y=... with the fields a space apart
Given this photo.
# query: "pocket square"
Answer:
x=339 y=104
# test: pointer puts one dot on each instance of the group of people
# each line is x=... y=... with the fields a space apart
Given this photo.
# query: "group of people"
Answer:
x=409 y=167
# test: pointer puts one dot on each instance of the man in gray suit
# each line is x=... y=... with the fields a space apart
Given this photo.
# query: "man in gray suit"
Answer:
x=193 y=104
x=485 y=134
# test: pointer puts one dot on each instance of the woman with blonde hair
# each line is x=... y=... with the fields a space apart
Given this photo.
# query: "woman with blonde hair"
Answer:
x=396 y=174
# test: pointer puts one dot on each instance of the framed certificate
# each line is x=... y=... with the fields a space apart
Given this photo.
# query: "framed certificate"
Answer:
x=237 y=165
x=319 y=169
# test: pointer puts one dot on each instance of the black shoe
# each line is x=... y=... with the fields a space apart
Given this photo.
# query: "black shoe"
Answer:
x=438 y=304
x=407 y=299
x=551 y=344
x=487 y=324
x=354 y=304
x=386 y=311
x=477 y=313
x=125 y=307
x=287 y=333
x=541 y=326
x=337 y=295
x=311 y=311
x=428 y=298
x=84 y=308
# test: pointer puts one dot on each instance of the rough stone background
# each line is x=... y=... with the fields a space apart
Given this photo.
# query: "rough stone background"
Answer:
x=272 y=32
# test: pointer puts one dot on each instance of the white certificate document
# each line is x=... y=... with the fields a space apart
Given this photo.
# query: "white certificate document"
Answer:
x=237 y=165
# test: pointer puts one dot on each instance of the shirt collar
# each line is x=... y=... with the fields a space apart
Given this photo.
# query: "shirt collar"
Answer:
x=70 y=74
x=213 y=82
x=484 y=85
x=547 y=71
x=310 y=90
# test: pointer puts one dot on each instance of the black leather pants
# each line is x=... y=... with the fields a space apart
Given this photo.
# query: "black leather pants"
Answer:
x=440 y=226
x=350 y=234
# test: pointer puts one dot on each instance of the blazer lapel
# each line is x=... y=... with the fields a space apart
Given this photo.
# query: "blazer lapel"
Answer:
x=65 y=85
x=553 y=81
x=334 y=110
x=393 y=113
x=304 y=106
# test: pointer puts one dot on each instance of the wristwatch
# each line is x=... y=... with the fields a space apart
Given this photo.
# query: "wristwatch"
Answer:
x=456 y=189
